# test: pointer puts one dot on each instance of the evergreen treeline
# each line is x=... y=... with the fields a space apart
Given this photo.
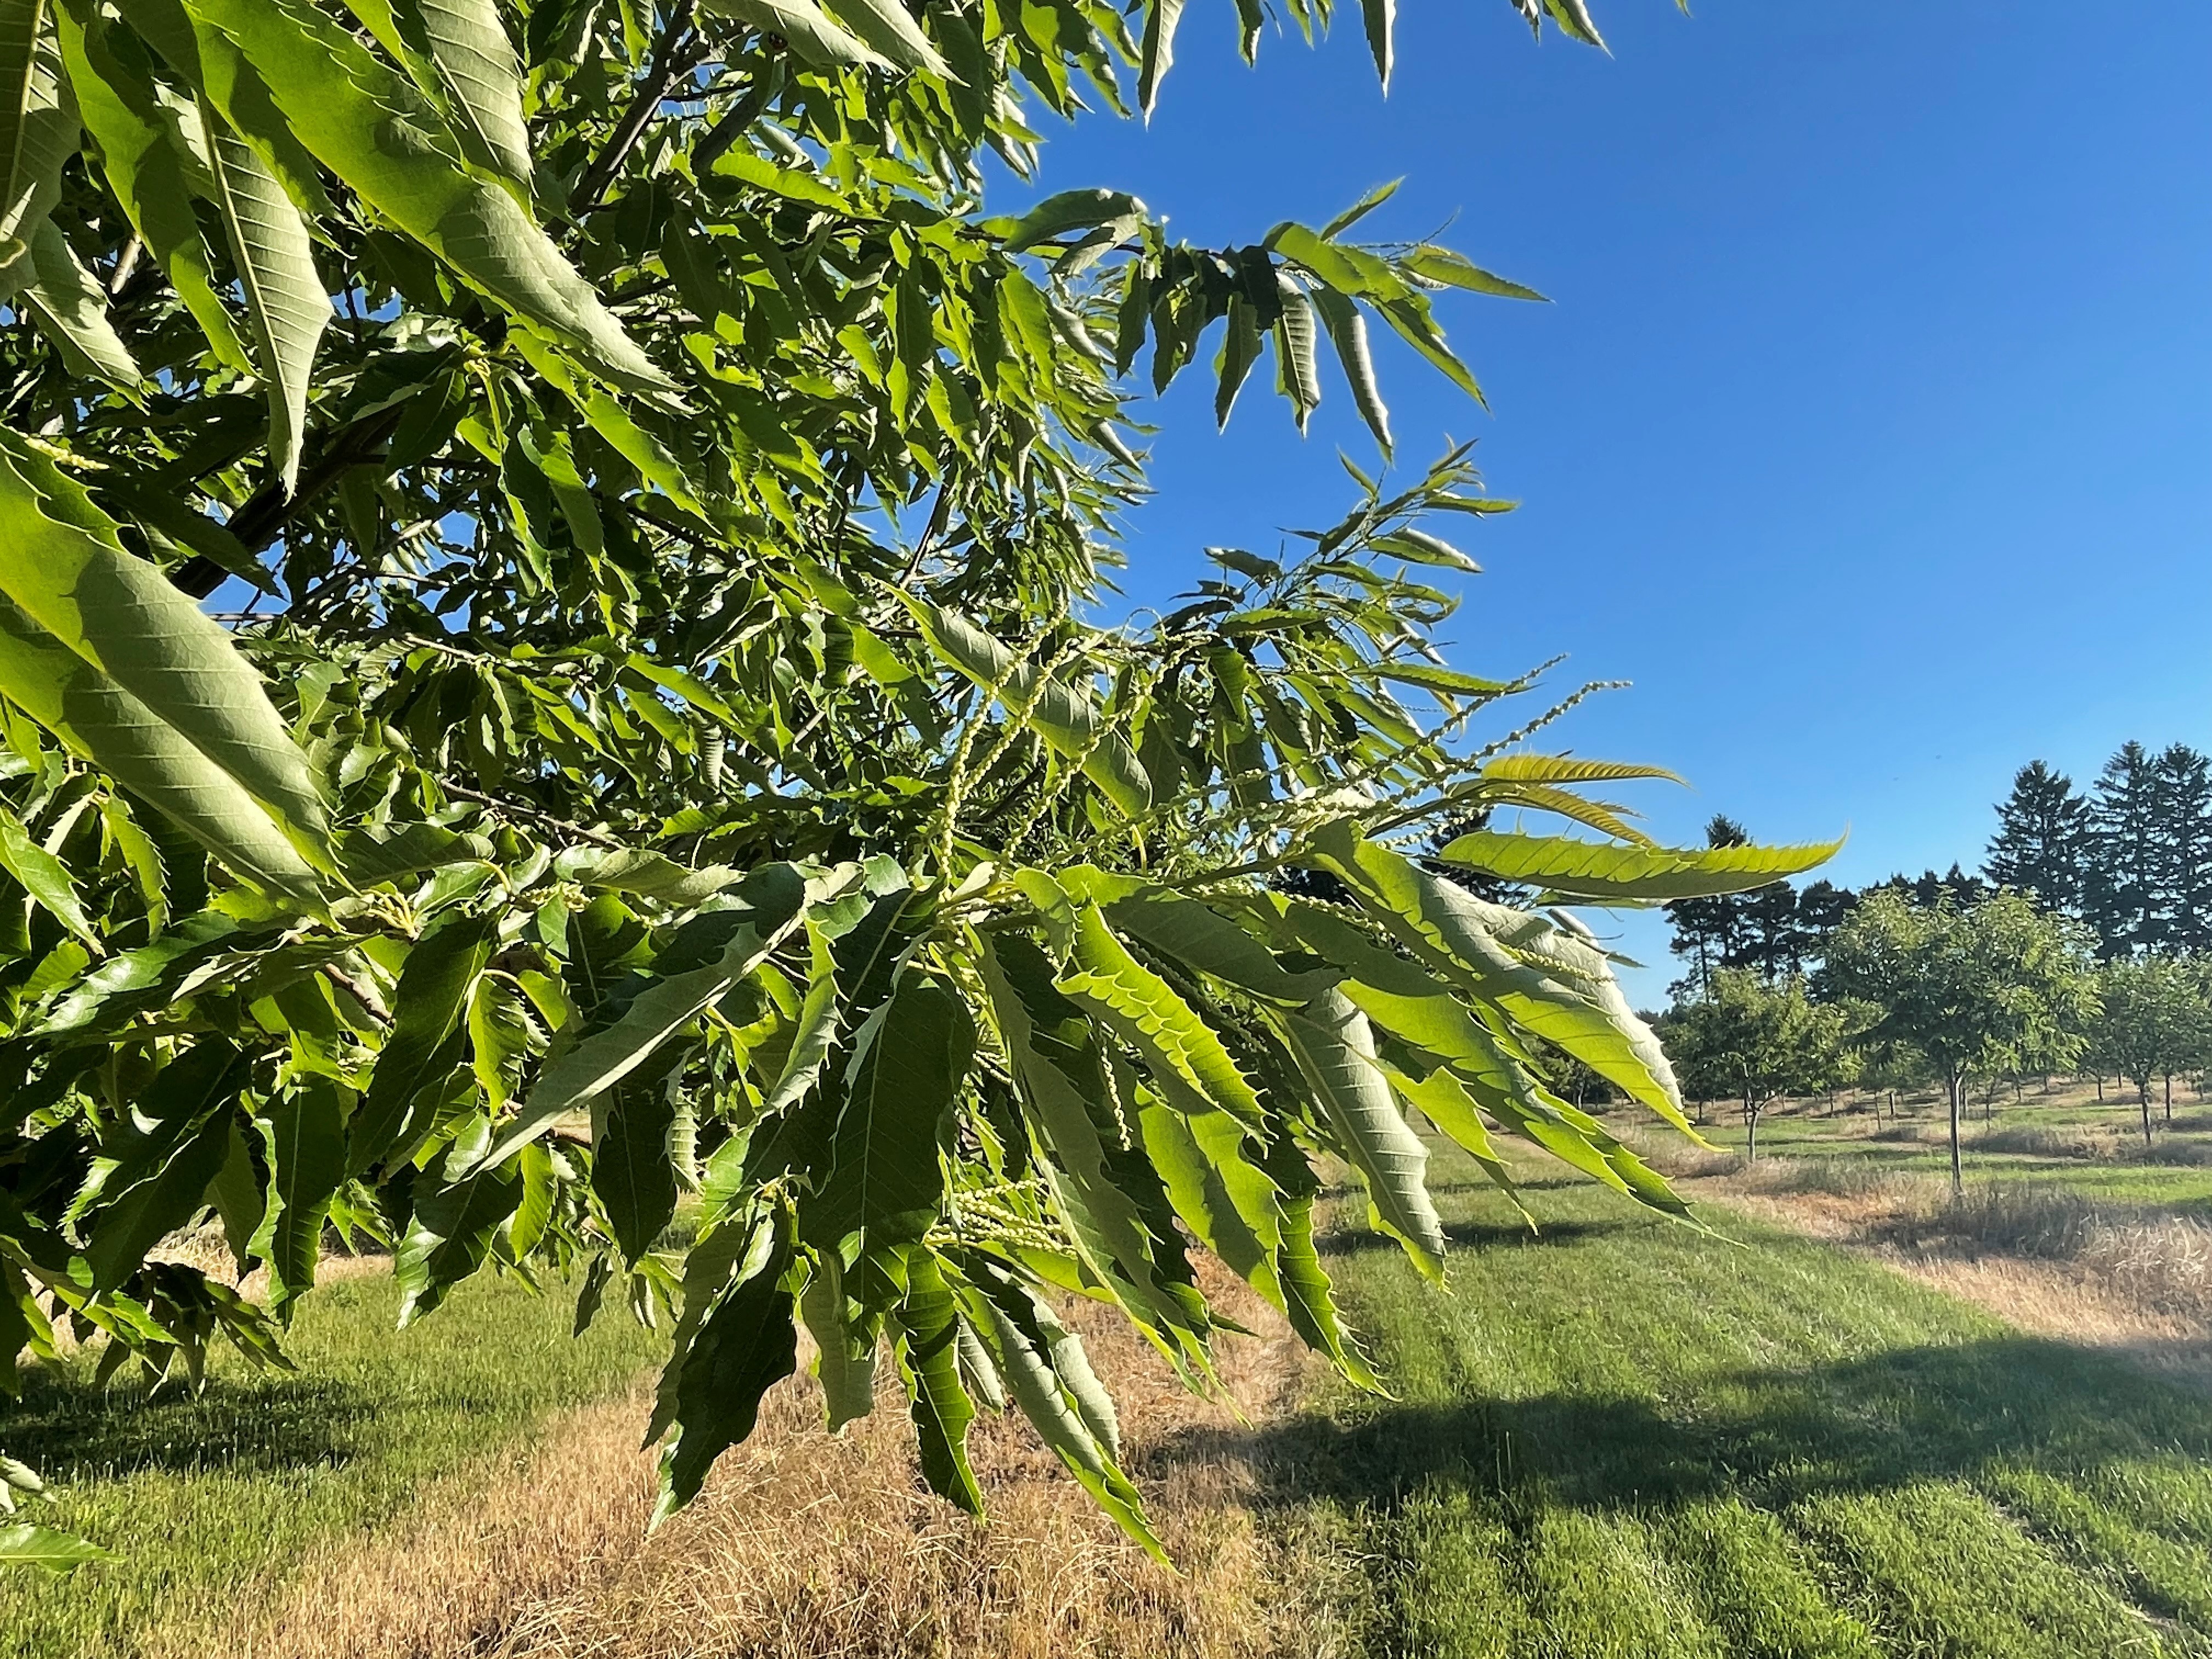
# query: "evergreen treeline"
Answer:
x=2131 y=858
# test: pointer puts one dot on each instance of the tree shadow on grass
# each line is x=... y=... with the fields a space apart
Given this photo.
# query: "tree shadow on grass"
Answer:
x=1479 y=1234
x=1766 y=1436
x=69 y=1429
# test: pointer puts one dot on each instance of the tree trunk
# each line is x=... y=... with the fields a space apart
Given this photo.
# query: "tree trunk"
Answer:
x=1751 y=1131
x=2143 y=1097
x=1958 y=1173
x=2100 y=1088
x=2169 y=1097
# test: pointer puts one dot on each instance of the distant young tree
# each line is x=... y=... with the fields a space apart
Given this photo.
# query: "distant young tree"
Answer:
x=1977 y=989
x=1886 y=1065
x=2042 y=842
x=2184 y=829
x=1753 y=1041
x=2124 y=896
x=2152 y=1023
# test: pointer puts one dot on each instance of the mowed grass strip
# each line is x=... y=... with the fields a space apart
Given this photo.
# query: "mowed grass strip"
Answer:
x=208 y=1501
x=1622 y=1437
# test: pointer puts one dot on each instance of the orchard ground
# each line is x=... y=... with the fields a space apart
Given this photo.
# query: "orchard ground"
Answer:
x=1845 y=1417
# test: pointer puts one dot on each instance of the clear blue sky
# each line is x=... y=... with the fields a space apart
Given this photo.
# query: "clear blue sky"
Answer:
x=1869 y=433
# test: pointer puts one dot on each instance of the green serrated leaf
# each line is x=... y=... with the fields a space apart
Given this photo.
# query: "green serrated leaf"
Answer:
x=25 y=1544
x=1598 y=871
x=285 y=301
x=304 y=1131
x=483 y=84
x=1336 y=1052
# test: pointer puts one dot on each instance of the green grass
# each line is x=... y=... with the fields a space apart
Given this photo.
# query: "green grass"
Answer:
x=2167 y=1181
x=1625 y=1438
x=202 y=1500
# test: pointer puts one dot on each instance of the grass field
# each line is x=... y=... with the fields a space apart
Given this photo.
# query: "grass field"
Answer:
x=207 y=1502
x=2066 y=1138
x=1623 y=1437
x=1618 y=1437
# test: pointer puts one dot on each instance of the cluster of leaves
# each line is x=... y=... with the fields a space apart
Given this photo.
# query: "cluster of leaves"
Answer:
x=671 y=765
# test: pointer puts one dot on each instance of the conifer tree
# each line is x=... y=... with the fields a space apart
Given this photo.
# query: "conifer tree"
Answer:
x=2042 y=842
x=2124 y=889
x=2184 y=827
x=1709 y=931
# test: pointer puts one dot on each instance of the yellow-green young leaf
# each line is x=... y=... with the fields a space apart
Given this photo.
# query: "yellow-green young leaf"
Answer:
x=1565 y=768
x=1604 y=817
x=1065 y=716
x=43 y=876
x=813 y=36
x=483 y=82
x=375 y=130
x=284 y=297
x=148 y=160
x=789 y=183
x=1597 y=871
x=1347 y=332
x=1574 y=19
x=1335 y=1050
x=890 y=27
x=69 y=308
x=62 y=565
x=1147 y=1011
x=26 y=1545
x=37 y=121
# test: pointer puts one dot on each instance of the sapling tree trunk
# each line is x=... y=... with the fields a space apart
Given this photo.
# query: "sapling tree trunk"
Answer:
x=1958 y=1091
x=2143 y=1097
x=1751 y=1130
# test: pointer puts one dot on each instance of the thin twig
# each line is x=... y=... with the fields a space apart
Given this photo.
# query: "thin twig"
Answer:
x=669 y=63
x=766 y=80
x=534 y=814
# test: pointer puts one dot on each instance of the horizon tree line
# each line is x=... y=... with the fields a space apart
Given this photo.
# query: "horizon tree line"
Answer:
x=2130 y=858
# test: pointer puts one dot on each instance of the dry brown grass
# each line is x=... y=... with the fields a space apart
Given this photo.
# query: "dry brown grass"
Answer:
x=802 y=1546
x=2044 y=1260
